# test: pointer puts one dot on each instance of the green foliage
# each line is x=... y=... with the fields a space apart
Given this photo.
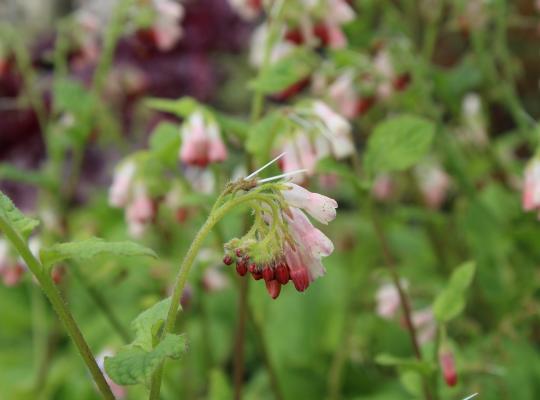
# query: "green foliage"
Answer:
x=289 y=70
x=182 y=107
x=451 y=301
x=134 y=365
x=261 y=136
x=398 y=143
x=22 y=224
x=165 y=142
x=89 y=248
x=136 y=362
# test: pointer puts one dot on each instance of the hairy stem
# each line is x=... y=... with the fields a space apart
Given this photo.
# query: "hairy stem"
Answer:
x=185 y=268
x=59 y=306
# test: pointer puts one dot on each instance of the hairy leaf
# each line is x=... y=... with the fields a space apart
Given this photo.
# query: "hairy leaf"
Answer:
x=451 y=301
x=134 y=365
x=90 y=248
x=22 y=224
x=399 y=143
x=147 y=324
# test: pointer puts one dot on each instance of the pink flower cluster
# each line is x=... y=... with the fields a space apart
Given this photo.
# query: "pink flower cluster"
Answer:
x=300 y=261
x=309 y=143
x=531 y=186
x=126 y=193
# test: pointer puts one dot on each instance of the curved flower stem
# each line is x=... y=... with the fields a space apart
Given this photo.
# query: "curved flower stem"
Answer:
x=404 y=300
x=185 y=268
x=59 y=306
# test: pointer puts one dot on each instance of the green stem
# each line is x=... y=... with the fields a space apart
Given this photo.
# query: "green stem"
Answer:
x=59 y=306
x=101 y=303
x=185 y=268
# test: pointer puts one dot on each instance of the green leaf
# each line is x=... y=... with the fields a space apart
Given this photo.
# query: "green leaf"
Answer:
x=22 y=224
x=165 y=142
x=134 y=365
x=451 y=301
x=234 y=125
x=12 y=173
x=182 y=107
x=410 y=364
x=398 y=143
x=90 y=248
x=261 y=136
x=148 y=323
x=287 y=71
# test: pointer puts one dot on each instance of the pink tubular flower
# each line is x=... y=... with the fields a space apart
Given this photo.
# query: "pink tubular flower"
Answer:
x=338 y=130
x=434 y=183
x=120 y=190
x=139 y=212
x=167 y=30
x=383 y=187
x=343 y=95
x=388 y=301
x=424 y=322
x=448 y=367
x=320 y=207
x=201 y=142
x=298 y=246
x=531 y=186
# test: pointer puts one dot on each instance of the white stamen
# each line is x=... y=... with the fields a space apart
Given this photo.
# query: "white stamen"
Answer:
x=471 y=396
x=264 y=166
x=273 y=178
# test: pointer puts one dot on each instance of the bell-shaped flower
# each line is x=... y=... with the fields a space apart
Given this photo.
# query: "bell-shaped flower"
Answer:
x=120 y=190
x=201 y=142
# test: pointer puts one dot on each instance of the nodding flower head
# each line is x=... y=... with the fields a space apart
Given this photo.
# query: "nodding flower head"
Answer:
x=201 y=141
x=283 y=245
x=531 y=186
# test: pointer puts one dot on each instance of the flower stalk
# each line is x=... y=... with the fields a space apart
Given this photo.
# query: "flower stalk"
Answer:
x=59 y=306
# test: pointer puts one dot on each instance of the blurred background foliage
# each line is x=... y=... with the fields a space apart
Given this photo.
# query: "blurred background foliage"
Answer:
x=325 y=342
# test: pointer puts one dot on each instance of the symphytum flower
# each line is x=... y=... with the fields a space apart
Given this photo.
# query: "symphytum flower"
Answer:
x=448 y=366
x=531 y=186
x=140 y=211
x=283 y=245
x=167 y=29
x=388 y=301
x=424 y=322
x=434 y=183
x=320 y=132
x=120 y=190
x=201 y=141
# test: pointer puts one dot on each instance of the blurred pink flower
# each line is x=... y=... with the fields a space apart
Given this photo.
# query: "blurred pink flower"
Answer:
x=121 y=187
x=140 y=212
x=424 y=322
x=434 y=183
x=388 y=301
x=448 y=367
x=167 y=29
x=531 y=186
x=383 y=187
x=201 y=142
x=247 y=9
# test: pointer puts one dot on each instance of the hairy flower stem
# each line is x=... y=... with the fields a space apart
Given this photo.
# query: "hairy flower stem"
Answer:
x=404 y=300
x=185 y=268
x=59 y=306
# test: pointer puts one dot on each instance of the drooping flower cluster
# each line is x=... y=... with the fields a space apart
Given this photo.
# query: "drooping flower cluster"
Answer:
x=320 y=132
x=126 y=192
x=283 y=245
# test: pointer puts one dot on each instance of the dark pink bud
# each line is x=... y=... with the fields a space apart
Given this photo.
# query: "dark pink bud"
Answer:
x=239 y=252
x=252 y=268
x=300 y=278
x=241 y=267
x=282 y=274
x=227 y=260
x=274 y=288
x=268 y=273
x=257 y=275
x=448 y=367
x=57 y=274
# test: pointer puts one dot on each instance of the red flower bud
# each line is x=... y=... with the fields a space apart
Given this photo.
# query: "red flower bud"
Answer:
x=274 y=288
x=227 y=260
x=252 y=268
x=448 y=367
x=239 y=252
x=300 y=279
x=268 y=273
x=241 y=267
x=282 y=274
x=257 y=275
